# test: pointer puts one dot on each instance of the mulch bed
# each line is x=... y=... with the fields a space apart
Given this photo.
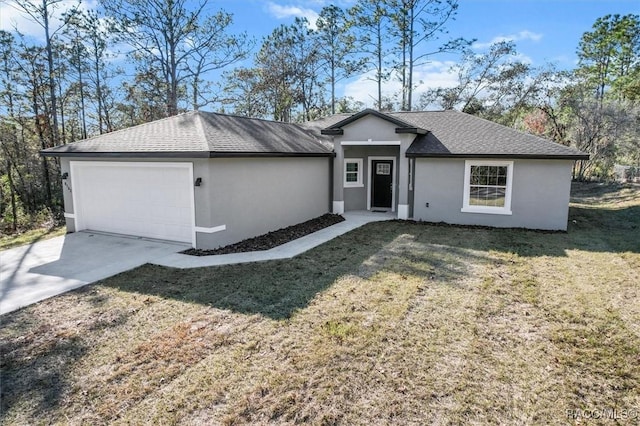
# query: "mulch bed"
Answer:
x=272 y=239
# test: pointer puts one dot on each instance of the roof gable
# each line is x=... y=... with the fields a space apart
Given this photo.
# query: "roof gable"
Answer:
x=402 y=126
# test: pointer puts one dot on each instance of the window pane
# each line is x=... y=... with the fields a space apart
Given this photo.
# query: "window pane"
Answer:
x=383 y=169
x=352 y=177
x=352 y=167
x=487 y=196
x=476 y=175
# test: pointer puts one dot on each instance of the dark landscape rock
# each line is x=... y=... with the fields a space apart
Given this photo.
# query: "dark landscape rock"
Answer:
x=274 y=238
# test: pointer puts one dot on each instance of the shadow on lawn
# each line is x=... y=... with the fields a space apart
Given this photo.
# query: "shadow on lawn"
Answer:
x=36 y=364
x=34 y=367
x=43 y=348
x=590 y=229
x=276 y=289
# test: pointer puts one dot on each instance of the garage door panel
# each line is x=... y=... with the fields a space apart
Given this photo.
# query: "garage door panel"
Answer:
x=145 y=199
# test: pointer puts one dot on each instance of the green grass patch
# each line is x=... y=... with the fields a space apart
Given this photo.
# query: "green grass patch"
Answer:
x=392 y=323
x=30 y=237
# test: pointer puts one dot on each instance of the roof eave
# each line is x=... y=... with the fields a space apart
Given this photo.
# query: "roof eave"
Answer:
x=332 y=132
x=181 y=154
x=218 y=154
x=125 y=154
x=412 y=130
x=515 y=156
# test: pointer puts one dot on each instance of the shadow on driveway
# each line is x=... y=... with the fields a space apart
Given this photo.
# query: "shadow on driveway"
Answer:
x=46 y=268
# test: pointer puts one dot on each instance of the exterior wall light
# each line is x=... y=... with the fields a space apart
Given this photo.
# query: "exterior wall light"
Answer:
x=198 y=181
x=65 y=175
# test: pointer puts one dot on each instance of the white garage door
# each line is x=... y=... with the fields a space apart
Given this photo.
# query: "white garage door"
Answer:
x=153 y=200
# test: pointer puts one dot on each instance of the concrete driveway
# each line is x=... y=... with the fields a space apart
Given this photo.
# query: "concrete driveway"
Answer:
x=35 y=272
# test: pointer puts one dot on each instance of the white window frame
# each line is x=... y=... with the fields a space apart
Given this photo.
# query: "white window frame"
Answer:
x=506 y=209
x=358 y=183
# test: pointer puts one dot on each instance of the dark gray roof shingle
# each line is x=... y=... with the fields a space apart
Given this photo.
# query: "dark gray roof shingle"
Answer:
x=455 y=134
x=205 y=134
x=201 y=134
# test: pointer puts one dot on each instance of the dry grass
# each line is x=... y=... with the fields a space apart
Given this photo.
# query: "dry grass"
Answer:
x=30 y=237
x=394 y=323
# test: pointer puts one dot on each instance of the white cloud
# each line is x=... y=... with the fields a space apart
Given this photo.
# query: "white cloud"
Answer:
x=520 y=57
x=522 y=35
x=284 y=12
x=12 y=16
x=429 y=76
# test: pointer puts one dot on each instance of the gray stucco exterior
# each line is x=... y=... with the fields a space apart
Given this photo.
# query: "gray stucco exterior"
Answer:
x=200 y=168
x=253 y=196
x=367 y=138
x=245 y=196
x=355 y=198
x=258 y=175
x=540 y=194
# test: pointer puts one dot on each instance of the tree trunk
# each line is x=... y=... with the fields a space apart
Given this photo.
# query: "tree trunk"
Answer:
x=52 y=84
x=379 y=76
x=82 y=107
x=12 y=192
x=410 y=43
x=43 y=145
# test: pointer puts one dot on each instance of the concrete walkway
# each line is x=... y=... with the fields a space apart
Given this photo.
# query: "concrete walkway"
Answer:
x=293 y=248
x=47 y=268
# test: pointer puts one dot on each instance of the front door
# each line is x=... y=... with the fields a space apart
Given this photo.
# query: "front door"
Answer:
x=382 y=187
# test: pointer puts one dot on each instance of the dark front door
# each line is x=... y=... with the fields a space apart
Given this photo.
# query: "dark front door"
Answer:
x=382 y=178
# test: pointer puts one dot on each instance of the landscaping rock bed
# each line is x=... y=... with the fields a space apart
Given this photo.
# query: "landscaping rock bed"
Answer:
x=273 y=239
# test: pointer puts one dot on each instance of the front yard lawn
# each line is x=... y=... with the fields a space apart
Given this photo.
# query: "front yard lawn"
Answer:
x=393 y=323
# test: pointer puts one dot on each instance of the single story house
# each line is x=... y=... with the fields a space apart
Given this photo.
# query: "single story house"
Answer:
x=211 y=179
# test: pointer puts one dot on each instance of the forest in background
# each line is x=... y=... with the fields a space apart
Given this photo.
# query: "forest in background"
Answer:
x=181 y=56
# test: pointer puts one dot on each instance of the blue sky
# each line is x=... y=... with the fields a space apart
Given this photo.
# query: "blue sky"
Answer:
x=543 y=30
x=554 y=26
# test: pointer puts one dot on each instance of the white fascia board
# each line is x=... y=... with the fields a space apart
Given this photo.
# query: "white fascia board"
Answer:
x=368 y=143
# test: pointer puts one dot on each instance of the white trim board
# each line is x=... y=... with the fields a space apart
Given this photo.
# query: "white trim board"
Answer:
x=211 y=230
x=368 y=143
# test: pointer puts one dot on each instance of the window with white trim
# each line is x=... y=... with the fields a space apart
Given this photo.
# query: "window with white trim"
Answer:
x=487 y=187
x=353 y=172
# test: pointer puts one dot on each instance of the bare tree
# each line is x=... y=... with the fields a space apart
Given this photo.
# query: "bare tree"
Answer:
x=176 y=39
x=41 y=12
x=371 y=18
x=418 y=26
x=336 y=46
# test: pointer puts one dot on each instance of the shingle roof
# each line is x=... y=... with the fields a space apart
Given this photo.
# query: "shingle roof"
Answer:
x=206 y=134
x=456 y=134
x=201 y=134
